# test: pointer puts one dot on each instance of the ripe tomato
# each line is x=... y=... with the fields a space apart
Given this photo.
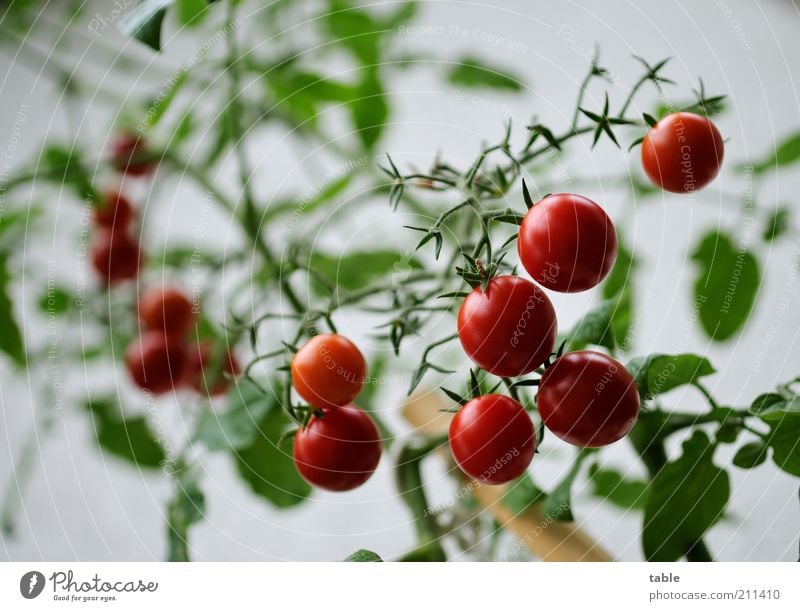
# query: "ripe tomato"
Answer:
x=200 y=373
x=338 y=450
x=114 y=212
x=588 y=399
x=156 y=361
x=328 y=371
x=167 y=309
x=509 y=329
x=115 y=256
x=567 y=243
x=682 y=152
x=129 y=155
x=492 y=439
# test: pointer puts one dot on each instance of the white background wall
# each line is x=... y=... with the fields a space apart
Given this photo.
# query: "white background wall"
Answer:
x=80 y=506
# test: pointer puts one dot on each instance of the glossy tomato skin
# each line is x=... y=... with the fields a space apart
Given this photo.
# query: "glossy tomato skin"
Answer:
x=127 y=152
x=166 y=308
x=328 y=371
x=115 y=256
x=156 y=361
x=198 y=374
x=114 y=212
x=492 y=439
x=338 y=451
x=510 y=328
x=683 y=152
x=588 y=399
x=567 y=243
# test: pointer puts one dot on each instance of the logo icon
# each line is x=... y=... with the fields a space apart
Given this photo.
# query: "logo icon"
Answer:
x=31 y=584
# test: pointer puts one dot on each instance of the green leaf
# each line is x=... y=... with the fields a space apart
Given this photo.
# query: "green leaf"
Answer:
x=66 y=167
x=786 y=153
x=191 y=12
x=686 y=498
x=266 y=464
x=473 y=72
x=521 y=494
x=355 y=270
x=307 y=205
x=558 y=504
x=659 y=373
x=784 y=439
x=605 y=325
x=187 y=507
x=726 y=286
x=772 y=406
x=777 y=224
x=144 y=22
x=611 y=485
x=128 y=438
x=159 y=106
x=369 y=109
x=238 y=425
x=751 y=455
x=10 y=335
x=356 y=30
x=363 y=555
x=55 y=301
x=621 y=274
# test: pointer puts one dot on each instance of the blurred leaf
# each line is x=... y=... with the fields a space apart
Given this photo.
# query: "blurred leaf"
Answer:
x=355 y=29
x=236 y=426
x=55 y=301
x=363 y=555
x=686 y=498
x=191 y=12
x=473 y=72
x=558 y=504
x=160 y=105
x=521 y=494
x=187 y=507
x=751 y=455
x=128 y=438
x=606 y=325
x=143 y=22
x=402 y=16
x=355 y=270
x=65 y=166
x=309 y=204
x=10 y=335
x=726 y=286
x=777 y=224
x=267 y=467
x=369 y=109
x=621 y=274
x=611 y=485
x=786 y=153
x=784 y=439
x=772 y=406
x=656 y=374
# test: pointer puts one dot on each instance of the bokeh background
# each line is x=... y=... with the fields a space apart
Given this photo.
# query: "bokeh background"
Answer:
x=79 y=505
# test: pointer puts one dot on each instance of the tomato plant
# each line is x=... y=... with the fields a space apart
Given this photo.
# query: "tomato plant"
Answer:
x=316 y=287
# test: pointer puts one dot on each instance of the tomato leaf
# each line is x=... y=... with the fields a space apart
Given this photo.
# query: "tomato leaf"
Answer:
x=558 y=504
x=363 y=555
x=356 y=30
x=778 y=223
x=369 y=109
x=237 y=426
x=521 y=494
x=784 y=439
x=472 y=72
x=726 y=285
x=10 y=335
x=659 y=373
x=355 y=270
x=144 y=22
x=685 y=499
x=772 y=406
x=611 y=485
x=751 y=455
x=191 y=12
x=786 y=153
x=605 y=325
x=129 y=438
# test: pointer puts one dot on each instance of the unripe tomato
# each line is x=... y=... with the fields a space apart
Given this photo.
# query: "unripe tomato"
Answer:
x=588 y=399
x=338 y=450
x=115 y=256
x=683 y=152
x=198 y=372
x=156 y=361
x=567 y=243
x=114 y=212
x=510 y=328
x=129 y=155
x=492 y=439
x=328 y=371
x=167 y=309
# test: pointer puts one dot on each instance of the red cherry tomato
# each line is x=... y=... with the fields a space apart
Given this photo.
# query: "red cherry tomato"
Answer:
x=492 y=439
x=328 y=371
x=114 y=212
x=588 y=399
x=156 y=361
x=115 y=256
x=509 y=329
x=567 y=243
x=682 y=152
x=200 y=375
x=129 y=155
x=167 y=309
x=338 y=451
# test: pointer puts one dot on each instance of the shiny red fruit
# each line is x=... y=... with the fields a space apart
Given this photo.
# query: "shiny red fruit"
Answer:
x=338 y=451
x=588 y=399
x=156 y=361
x=115 y=256
x=510 y=328
x=113 y=212
x=328 y=371
x=567 y=243
x=129 y=155
x=492 y=439
x=166 y=308
x=683 y=152
x=200 y=373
